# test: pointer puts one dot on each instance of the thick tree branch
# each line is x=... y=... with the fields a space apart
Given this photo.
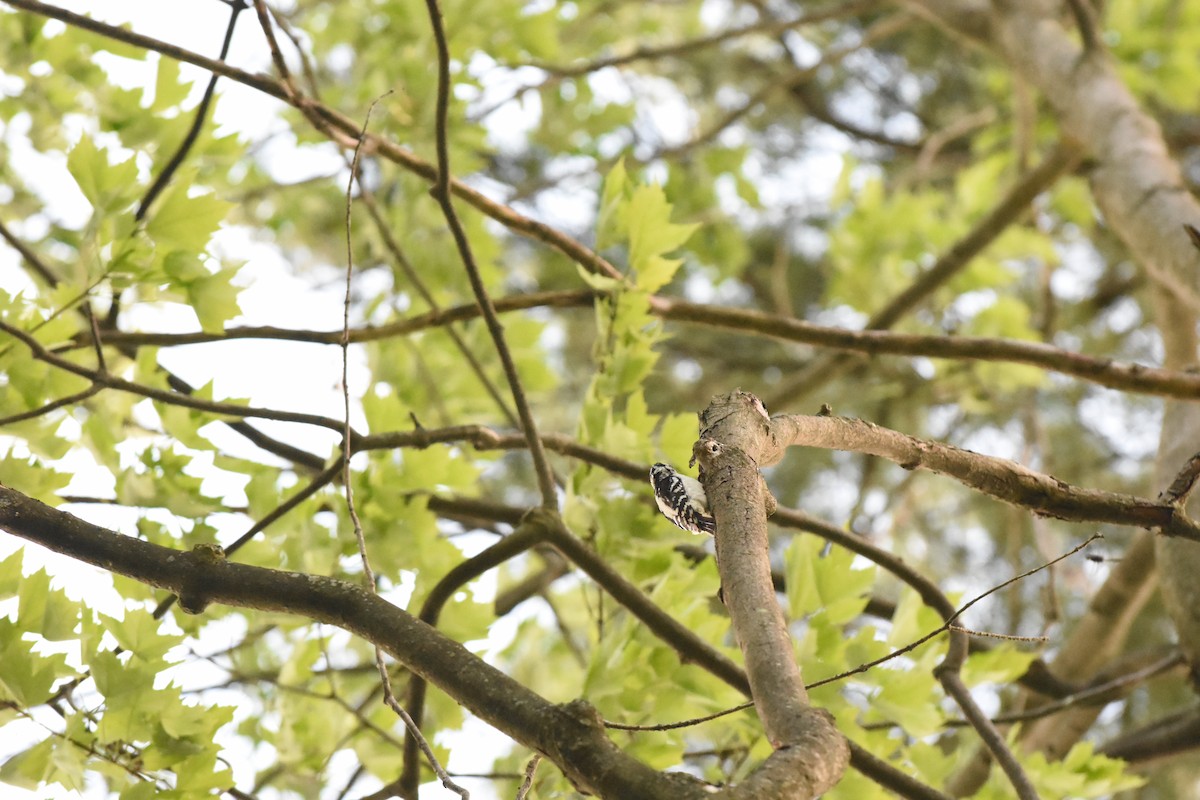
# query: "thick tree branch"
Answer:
x=1170 y=736
x=569 y=735
x=521 y=540
x=732 y=437
x=997 y=477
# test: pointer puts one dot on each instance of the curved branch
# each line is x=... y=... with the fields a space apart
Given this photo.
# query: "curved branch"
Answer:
x=522 y=539
x=997 y=477
x=33 y=413
x=1170 y=736
x=38 y=351
x=441 y=192
x=948 y=672
x=163 y=178
x=1105 y=372
x=732 y=437
x=570 y=735
x=766 y=26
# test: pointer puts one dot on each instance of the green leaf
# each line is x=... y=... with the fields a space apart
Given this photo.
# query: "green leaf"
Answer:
x=168 y=90
x=181 y=222
x=827 y=584
x=35 y=479
x=67 y=763
x=26 y=677
x=601 y=283
x=10 y=575
x=651 y=233
x=197 y=723
x=215 y=300
x=132 y=705
x=139 y=633
x=46 y=611
x=911 y=620
x=143 y=790
x=538 y=33
x=800 y=569
x=656 y=272
x=108 y=187
x=1000 y=665
x=904 y=698
x=610 y=226
x=184 y=267
x=201 y=773
x=1081 y=773
x=28 y=768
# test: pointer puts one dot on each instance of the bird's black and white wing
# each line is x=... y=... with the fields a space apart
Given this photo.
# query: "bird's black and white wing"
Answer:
x=681 y=499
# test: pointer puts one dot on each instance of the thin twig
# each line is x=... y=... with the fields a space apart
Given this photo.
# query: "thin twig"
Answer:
x=310 y=74
x=947 y=624
x=1085 y=19
x=766 y=26
x=570 y=298
x=389 y=696
x=69 y=400
x=285 y=75
x=97 y=341
x=401 y=260
x=1184 y=482
x=530 y=769
x=236 y=7
x=880 y=30
x=687 y=723
x=1015 y=203
x=31 y=258
x=1085 y=696
x=174 y=398
x=441 y=192
x=1007 y=637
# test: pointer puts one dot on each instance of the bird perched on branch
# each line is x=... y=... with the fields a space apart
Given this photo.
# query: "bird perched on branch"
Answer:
x=681 y=499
